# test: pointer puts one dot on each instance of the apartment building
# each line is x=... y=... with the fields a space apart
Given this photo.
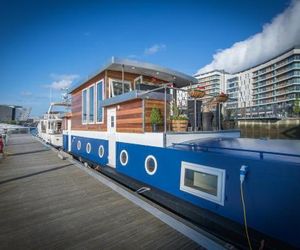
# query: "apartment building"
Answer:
x=268 y=90
x=276 y=85
x=213 y=82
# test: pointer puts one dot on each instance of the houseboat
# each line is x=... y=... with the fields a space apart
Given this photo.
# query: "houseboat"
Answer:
x=49 y=128
x=245 y=191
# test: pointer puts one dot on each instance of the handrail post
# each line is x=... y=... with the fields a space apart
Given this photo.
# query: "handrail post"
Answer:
x=165 y=111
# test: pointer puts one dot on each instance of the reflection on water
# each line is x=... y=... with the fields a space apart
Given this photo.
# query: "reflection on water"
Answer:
x=271 y=130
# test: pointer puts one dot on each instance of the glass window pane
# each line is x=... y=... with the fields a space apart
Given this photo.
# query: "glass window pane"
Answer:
x=84 y=107
x=99 y=99
x=201 y=181
x=117 y=88
x=91 y=105
x=126 y=87
x=112 y=121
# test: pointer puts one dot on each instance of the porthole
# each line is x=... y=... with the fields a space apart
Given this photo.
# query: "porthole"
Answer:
x=78 y=145
x=101 y=151
x=150 y=165
x=88 y=148
x=124 y=157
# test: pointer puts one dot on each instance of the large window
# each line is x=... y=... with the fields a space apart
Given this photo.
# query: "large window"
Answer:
x=117 y=87
x=91 y=104
x=100 y=93
x=84 y=106
x=203 y=181
x=88 y=105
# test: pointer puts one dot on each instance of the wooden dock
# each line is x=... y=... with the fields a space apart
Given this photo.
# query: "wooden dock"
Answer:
x=48 y=203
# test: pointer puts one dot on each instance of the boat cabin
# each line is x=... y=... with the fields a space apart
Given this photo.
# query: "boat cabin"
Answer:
x=123 y=95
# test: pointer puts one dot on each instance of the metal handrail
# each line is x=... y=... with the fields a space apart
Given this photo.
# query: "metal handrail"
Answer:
x=261 y=153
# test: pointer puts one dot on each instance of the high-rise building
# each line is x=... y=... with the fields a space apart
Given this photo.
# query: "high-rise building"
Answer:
x=267 y=90
x=213 y=83
x=276 y=85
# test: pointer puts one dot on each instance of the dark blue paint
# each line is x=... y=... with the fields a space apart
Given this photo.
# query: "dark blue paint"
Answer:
x=93 y=155
x=271 y=188
x=65 y=142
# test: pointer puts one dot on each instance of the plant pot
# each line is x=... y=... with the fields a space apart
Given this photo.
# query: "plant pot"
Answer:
x=179 y=125
x=196 y=93
x=207 y=118
x=154 y=128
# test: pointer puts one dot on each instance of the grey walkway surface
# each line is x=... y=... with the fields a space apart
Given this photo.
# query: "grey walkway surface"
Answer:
x=48 y=203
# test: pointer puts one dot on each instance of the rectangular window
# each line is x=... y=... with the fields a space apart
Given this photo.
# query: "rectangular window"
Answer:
x=117 y=87
x=91 y=104
x=203 y=181
x=100 y=93
x=84 y=107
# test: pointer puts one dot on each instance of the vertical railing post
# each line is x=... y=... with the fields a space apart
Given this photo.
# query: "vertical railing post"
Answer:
x=195 y=114
x=165 y=116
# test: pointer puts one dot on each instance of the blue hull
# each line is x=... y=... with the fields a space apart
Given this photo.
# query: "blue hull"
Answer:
x=271 y=188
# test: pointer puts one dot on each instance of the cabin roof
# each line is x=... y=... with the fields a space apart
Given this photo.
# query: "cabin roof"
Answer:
x=147 y=69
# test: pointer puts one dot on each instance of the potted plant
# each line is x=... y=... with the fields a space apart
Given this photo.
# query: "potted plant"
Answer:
x=179 y=121
x=197 y=92
x=155 y=118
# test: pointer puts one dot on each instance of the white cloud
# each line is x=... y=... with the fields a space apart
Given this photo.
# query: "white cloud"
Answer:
x=154 y=49
x=282 y=33
x=62 y=81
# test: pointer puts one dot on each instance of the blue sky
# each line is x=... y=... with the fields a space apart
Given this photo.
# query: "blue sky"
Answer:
x=45 y=43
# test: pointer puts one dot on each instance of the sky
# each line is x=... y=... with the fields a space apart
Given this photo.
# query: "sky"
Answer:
x=52 y=44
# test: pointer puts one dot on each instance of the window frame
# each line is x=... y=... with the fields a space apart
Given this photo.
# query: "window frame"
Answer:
x=88 y=101
x=87 y=89
x=103 y=97
x=155 y=164
x=86 y=119
x=221 y=176
x=111 y=80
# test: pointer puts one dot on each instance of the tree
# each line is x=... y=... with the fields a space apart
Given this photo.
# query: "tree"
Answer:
x=296 y=107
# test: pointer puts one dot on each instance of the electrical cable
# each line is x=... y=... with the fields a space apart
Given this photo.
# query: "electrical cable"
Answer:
x=245 y=217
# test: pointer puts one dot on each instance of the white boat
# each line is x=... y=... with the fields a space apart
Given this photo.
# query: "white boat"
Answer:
x=50 y=127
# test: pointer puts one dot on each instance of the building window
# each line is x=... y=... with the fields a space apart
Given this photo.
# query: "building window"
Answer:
x=88 y=148
x=101 y=151
x=150 y=165
x=100 y=95
x=84 y=107
x=124 y=157
x=203 y=181
x=78 y=145
x=117 y=87
x=91 y=104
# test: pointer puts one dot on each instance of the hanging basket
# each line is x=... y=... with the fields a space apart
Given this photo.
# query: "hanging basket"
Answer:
x=222 y=98
x=196 y=93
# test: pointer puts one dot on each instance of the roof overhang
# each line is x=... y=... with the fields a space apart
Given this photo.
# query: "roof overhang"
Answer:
x=141 y=68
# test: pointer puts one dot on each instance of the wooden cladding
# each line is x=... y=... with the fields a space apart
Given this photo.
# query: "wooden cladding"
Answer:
x=77 y=116
x=130 y=117
x=149 y=104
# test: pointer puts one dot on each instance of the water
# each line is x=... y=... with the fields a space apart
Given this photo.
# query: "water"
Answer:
x=270 y=130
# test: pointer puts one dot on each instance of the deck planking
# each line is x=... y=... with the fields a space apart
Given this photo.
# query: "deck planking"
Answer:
x=48 y=203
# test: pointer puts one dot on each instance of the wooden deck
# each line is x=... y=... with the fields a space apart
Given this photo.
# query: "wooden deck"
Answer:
x=48 y=203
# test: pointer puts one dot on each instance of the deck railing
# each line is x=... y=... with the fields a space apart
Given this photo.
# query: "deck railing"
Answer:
x=192 y=108
x=261 y=153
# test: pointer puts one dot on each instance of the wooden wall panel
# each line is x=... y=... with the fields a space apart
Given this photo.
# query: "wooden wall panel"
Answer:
x=130 y=117
x=149 y=104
